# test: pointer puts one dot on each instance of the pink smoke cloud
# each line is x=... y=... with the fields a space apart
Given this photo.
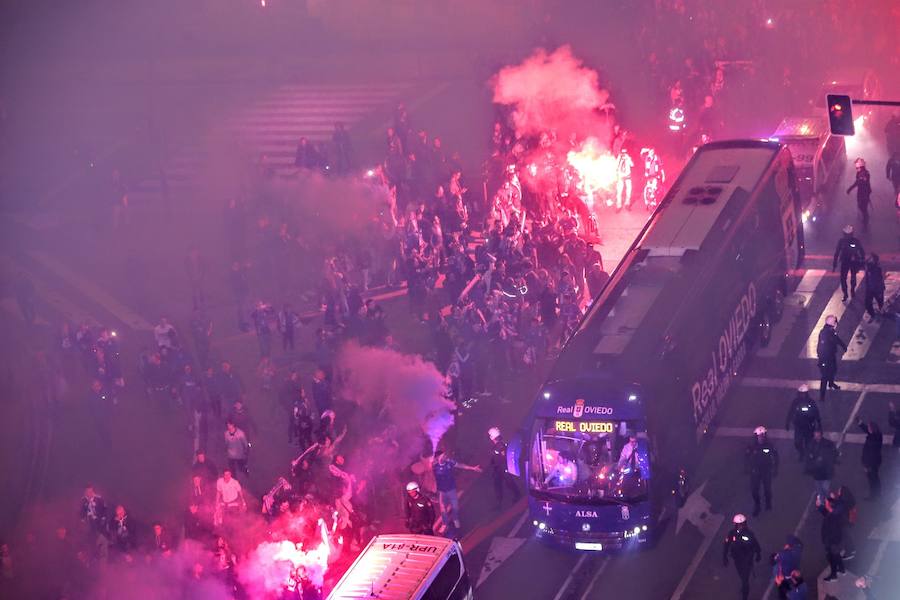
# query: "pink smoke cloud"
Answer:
x=552 y=92
x=410 y=391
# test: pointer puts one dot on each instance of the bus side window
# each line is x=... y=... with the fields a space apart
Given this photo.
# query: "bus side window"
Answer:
x=535 y=468
x=445 y=581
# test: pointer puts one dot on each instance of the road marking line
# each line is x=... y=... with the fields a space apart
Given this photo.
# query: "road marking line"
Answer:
x=846 y=386
x=865 y=332
x=784 y=434
x=852 y=416
x=519 y=524
x=810 y=281
x=836 y=306
x=568 y=581
x=113 y=306
x=475 y=537
x=698 y=557
x=599 y=572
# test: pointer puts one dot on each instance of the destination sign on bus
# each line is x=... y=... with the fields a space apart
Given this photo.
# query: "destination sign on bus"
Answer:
x=585 y=426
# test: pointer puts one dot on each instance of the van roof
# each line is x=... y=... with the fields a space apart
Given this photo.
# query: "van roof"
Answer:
x=393 y=567
x=801 y=127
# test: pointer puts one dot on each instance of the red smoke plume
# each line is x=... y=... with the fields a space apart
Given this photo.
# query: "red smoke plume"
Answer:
x=558 y=103
x=553 y=92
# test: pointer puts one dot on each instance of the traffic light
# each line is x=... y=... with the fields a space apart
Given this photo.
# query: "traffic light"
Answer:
x=840 y=115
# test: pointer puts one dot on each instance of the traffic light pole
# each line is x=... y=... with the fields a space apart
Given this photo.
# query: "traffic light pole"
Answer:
x=877 y=102
x=840 y=112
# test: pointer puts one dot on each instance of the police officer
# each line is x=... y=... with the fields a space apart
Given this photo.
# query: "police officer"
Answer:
x=419 y=511
x=742 y=545
x=849 y=252
x=761 y=463
x=827 y=353
x=804 y=415
x=874 y=285
x=863 y=186
x=498 y=468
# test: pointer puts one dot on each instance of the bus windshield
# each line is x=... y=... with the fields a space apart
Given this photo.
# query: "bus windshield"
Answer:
x=598 y=461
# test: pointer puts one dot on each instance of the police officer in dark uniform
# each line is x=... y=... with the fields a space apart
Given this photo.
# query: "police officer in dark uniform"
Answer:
x=863 y=186
x=804 y=415
x=827 y=353
x=849 y=252
x=498 y=468
x=419 y=511
x=761 y=463
x=741 y=544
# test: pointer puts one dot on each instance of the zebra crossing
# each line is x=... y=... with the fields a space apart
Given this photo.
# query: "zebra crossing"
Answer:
x=804 y=319
x=272 y=125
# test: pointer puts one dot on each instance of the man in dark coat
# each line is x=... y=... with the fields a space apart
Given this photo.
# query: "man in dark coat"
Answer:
x=871 y=456
x=833 y=521
x=827 y=354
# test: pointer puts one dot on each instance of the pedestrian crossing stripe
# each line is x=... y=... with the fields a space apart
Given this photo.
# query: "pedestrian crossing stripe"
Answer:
x=865 y=332
x=836 y=306
x=851 y=313
x=793 y=307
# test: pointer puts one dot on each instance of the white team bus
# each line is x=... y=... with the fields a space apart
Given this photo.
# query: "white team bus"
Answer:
x=406 y=567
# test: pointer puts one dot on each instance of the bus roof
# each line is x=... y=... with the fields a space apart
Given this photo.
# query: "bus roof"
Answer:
x=659 y=273
x=701 y=195
x=393 y=567
x=801 y=127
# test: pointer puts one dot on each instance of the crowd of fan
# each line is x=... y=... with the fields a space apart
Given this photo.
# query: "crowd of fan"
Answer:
x=223 y=520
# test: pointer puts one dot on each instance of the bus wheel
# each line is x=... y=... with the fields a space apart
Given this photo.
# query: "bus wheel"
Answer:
x=765 y=329
x=777 y=305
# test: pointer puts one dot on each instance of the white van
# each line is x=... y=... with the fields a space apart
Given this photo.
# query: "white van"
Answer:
x=819 y=159
x=406 y=567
